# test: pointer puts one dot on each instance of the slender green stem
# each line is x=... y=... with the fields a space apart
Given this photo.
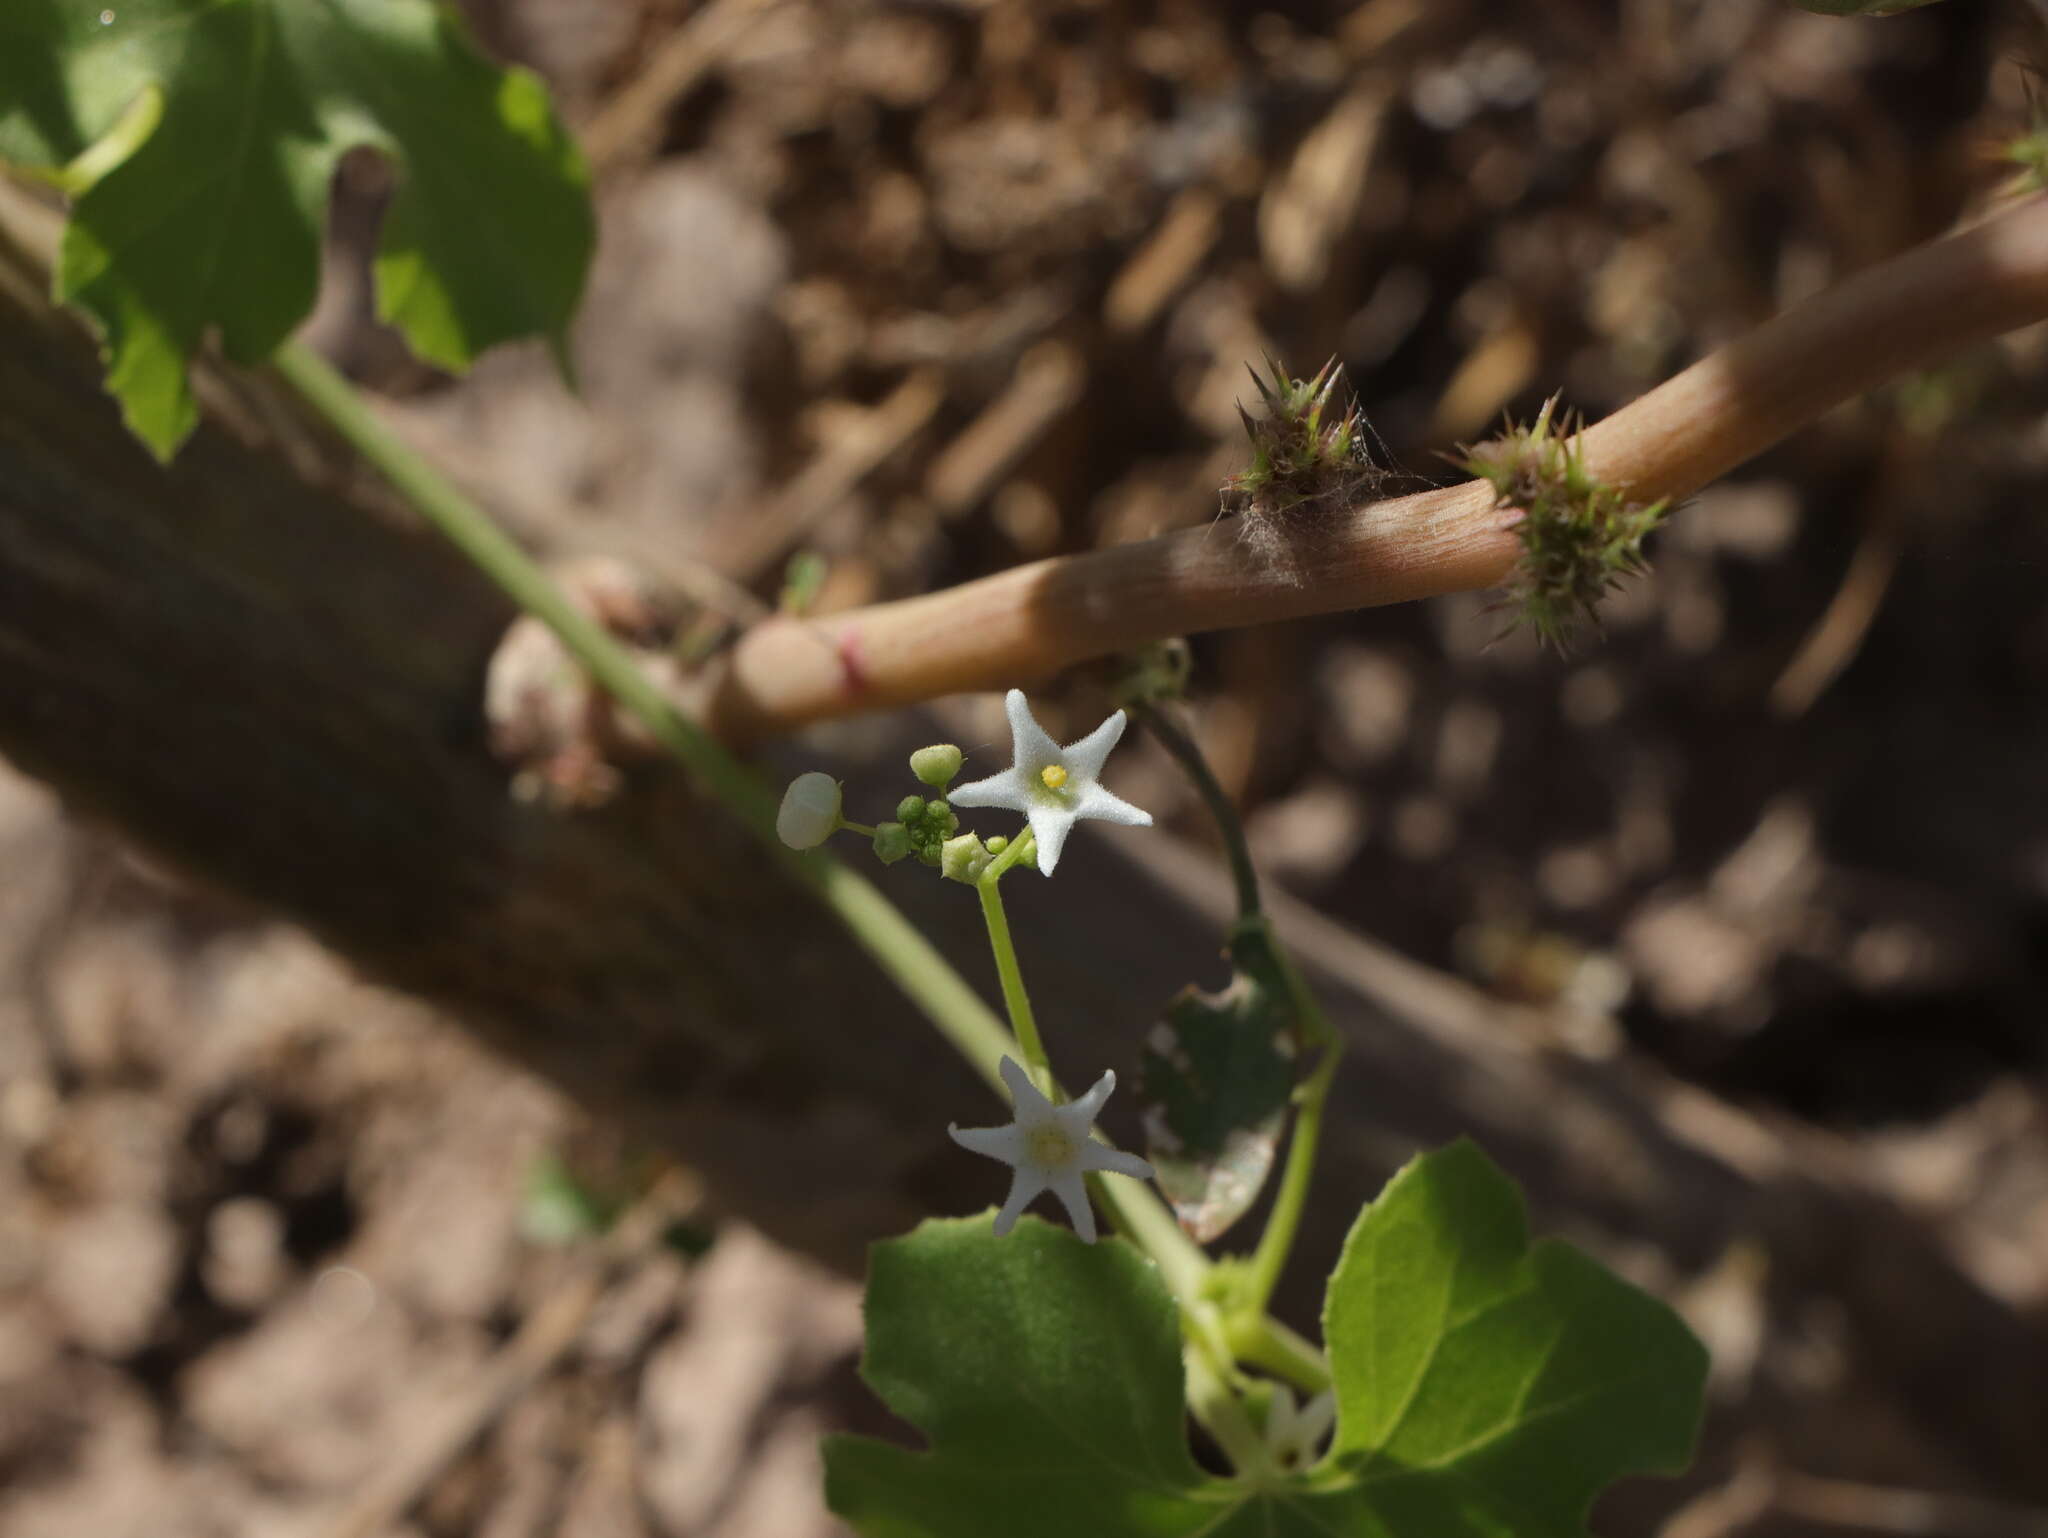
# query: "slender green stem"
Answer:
x=848 y=825
x=472 y=532
x=1015 y=999
x=898 y=947
x=1266 y=1343
x=1262 y=1273
x=1188 y=755
x=1144 y=1220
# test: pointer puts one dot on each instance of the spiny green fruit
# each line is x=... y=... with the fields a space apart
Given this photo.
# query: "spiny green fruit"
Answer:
x=1580 y=537
x=1303 y=450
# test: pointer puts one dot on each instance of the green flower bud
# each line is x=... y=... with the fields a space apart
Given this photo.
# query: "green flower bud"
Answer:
x=998 y=844
x=810 y=811
x=937 y=765
x=892 y=842
x=964 y=858
x=910 y=809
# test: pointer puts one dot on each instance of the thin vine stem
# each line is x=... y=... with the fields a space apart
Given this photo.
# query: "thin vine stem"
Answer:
x=898 y=947
x=1264 y=1342
x=1022 y=1021
x=1185 y=752
x=1276 y=1240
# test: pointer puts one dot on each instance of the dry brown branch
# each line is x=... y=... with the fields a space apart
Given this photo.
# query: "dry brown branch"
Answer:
x=751 y=549
x=1033 y=620
x=632 y=119
x=1161 y=267
x=1050 y=378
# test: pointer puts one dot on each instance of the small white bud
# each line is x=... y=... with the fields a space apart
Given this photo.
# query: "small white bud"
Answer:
x=963 y=858
x=810 y=811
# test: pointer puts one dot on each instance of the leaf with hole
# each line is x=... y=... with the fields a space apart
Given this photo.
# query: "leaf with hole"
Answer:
x=1213 y=1086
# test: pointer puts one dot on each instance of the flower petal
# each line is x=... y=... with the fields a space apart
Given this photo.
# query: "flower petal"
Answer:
x=1005 y=790
x=1032 y=749
x=1050 y=825
x=1024 y=1185
x=1096 y=1157
x=1282 y=1418
x=1005 y=1143
x=1083 y=1110
x=1107 y=806
x=1073 y=1196
x=1315 y=1421
x=1084 y=758
x=1024 y=1095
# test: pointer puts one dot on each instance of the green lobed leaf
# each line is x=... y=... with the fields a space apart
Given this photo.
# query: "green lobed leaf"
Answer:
x=1488 y=1385
x=1214 y=1082
x=1046 y=1373
x=219 y=124
x=1487 y=1388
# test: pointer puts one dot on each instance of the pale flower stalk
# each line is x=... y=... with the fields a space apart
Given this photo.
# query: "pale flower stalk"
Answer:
x=1050 y=1149
x=1054 y=787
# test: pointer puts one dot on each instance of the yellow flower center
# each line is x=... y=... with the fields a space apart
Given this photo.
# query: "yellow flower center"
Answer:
x=1054 y=776
x=1050 y=1147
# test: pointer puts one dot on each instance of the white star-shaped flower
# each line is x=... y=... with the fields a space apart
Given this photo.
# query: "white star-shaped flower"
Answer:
x=1053 y=786
x=1294 y=1436
x=1049 y=1147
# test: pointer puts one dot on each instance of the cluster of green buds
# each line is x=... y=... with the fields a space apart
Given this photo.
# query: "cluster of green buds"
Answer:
x=1580 y=537
x=924 y=826
x=1304 y=450
x=1053 y=787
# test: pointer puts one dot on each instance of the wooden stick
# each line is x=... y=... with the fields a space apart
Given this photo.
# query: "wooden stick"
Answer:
x=1032 y=620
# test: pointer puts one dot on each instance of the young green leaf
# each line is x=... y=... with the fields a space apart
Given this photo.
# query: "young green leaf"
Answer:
x=1046 y=1373
x=1485 y=1387
x=199 y=138
x=1214 y=1082
x=1485 y=1384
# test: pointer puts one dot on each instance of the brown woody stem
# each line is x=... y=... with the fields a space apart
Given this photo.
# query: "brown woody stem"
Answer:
x=1032 y=620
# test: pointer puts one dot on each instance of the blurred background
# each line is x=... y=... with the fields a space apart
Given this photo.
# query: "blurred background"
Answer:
x=922 y=290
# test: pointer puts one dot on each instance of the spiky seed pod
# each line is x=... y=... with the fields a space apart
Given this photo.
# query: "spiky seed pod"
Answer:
x=1580 y=537
x=1304 y=449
